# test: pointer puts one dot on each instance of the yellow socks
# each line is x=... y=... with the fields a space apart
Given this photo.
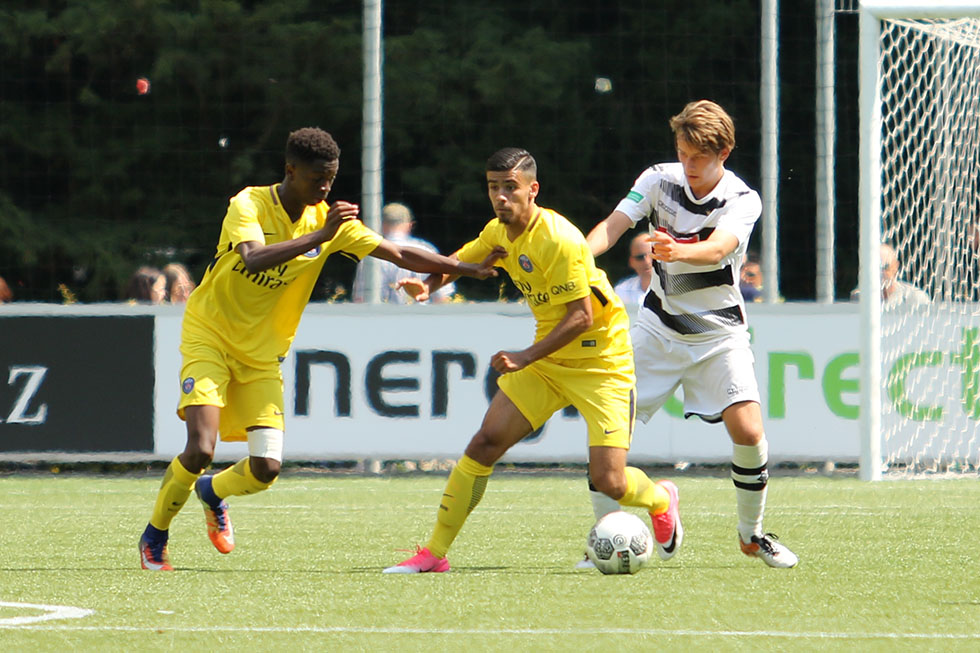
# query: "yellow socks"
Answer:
x=178 y=483
x=237 y=480
x=464 y=489
x=644 y=493
x=174 y=489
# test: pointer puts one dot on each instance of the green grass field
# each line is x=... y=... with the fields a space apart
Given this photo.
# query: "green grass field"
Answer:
x=887 y=566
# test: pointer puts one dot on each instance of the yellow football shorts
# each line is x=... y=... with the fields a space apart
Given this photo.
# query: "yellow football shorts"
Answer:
x=247 y=396
x=601 y=389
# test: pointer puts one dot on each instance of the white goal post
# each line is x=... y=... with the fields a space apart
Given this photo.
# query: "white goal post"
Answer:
x=919 y=193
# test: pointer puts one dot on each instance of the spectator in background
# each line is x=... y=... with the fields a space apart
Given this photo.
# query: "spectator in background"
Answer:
x=751 y=281
x=966 y=278
x=632 y=289
x=179 y=283
x=6 y=295
x=894 y=292
x=147 y=286
x=397 y=223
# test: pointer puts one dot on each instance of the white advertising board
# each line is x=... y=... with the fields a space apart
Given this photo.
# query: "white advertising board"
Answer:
x=931 y=383
x=411 y=382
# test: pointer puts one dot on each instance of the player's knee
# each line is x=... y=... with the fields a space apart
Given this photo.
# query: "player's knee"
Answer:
x=612 y=483
x=199 y=449
x=195 y=459
x=748 y=437
x=744 y=423
x=484 y=448
x=265 y=470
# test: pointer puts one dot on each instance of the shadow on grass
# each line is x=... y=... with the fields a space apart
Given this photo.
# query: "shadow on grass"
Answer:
x=538 y=570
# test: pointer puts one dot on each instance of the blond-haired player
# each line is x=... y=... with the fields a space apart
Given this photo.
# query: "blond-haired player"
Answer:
x=691 y=329
x=239 y=323
x=580 y=356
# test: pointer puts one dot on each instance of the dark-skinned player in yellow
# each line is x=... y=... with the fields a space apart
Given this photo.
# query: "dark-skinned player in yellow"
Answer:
x=241 y=320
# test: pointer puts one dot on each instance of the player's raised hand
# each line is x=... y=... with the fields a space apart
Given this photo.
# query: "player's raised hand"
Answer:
x=340 y=212
x=414 y=288
x=665 y=248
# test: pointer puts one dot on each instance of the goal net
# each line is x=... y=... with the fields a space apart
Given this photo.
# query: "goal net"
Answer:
x=928 y=91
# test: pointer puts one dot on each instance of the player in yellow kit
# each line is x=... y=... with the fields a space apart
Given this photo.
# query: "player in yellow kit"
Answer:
x=581 y=356
x=240 y=322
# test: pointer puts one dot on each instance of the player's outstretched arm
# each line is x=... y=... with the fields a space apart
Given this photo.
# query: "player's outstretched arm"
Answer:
x=420 y=290
x=605 y=234
x=419 y=260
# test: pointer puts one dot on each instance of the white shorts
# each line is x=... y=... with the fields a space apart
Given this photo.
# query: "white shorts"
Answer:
x=714 y=375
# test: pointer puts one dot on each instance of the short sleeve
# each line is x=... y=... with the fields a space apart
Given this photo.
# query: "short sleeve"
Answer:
x=242 y=221
x=740 y=216
x=479 y=248
x=568 y=272
x=640 y=201
x=354 y=240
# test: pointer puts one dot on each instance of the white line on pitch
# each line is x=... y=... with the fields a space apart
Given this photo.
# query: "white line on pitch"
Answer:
x=50 y=612
x=514 y=631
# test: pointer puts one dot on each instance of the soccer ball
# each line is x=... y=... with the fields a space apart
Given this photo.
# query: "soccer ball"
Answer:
x=619 y=543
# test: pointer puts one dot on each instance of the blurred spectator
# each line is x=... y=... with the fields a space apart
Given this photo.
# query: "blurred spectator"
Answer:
x=397 y=223
x=6 y=295
x=179 y=283
x=633 y=288
x=894 y=292
x=750 y=281
x=965 y=280
x=147 y=286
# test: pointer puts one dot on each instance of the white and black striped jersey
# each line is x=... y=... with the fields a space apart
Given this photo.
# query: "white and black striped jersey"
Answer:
x=693 y=303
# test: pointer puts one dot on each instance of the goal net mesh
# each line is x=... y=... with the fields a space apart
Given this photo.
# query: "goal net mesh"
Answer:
x=929 y=75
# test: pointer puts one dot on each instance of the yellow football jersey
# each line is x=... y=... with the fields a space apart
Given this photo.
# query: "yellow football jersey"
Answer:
x=256 y=315
x=550 y=263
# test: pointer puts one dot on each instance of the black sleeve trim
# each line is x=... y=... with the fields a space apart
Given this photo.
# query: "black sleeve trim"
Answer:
x=598 y=295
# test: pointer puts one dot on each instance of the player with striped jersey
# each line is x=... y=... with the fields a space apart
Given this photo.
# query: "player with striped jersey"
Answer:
x=581 y=355
x=240 y=322
x=691 y=329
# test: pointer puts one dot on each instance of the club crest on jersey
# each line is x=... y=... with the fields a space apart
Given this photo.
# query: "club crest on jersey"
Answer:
x=187 y=385
x=313 y=253
x=525 y=263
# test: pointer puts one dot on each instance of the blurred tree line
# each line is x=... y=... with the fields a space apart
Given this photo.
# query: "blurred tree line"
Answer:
x=97 y=179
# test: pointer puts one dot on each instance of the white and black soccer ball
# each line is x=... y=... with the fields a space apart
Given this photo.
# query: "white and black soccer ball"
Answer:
x=619 y=543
